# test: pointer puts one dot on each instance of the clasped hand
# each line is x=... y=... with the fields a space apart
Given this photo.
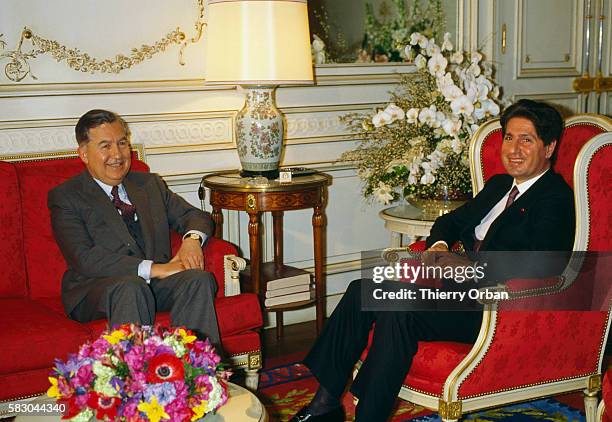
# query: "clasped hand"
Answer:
x=189 y=256
x=439 y=256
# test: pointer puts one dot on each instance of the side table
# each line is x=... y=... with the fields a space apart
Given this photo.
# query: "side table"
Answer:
x=405 y=219
x=232 y=192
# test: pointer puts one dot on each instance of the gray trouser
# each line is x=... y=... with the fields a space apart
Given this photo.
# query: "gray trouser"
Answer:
x=188 y=296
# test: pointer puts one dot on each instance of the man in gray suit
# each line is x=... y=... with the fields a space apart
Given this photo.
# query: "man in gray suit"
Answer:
x=113 y=228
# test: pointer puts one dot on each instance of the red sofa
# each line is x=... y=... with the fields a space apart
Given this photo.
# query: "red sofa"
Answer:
x=35 y=330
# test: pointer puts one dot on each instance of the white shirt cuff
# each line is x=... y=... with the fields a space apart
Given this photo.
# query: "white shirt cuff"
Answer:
x=440 y=242
x=199 y=233
x=144 y=270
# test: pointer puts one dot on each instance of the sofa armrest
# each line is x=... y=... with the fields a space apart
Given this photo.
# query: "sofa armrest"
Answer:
x=232 y=266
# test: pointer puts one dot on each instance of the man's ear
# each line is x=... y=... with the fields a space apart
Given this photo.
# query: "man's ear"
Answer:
x=550 y=148
x=82 y=150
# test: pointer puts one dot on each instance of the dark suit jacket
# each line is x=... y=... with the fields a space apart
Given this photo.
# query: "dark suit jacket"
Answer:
x=96 y=242
x=541 y=219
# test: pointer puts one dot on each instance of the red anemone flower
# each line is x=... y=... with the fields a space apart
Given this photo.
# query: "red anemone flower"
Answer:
x=165 y=368
x=106 y=407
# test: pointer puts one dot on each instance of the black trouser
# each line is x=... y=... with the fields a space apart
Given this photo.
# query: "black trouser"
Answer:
x=394 y=344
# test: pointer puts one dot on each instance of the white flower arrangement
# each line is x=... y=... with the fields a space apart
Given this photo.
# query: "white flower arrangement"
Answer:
x=418 y=144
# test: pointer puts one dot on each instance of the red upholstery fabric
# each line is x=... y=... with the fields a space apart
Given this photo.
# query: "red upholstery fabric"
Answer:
x=573 y=139
x=489 y=155
x=23 y=383
x=32 y=335
x=247 y=342
x=541 y=339
x=214 y=252
x=600 y=200
x=11 y=248
x=238 y=313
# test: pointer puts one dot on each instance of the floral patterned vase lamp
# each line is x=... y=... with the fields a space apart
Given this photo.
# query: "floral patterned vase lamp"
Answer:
x=258 y=44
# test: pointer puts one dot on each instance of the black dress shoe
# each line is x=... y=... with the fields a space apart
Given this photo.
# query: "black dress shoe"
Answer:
x=304 y=415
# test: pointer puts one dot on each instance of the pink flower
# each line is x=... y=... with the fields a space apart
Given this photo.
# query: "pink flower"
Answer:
x=135 y=358
x=84 y=376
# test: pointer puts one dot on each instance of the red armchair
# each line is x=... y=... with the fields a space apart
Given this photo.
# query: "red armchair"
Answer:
x=521 y=355
x=34 y=327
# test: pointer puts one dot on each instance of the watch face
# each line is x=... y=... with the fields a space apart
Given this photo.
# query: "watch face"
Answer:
x=194 y=236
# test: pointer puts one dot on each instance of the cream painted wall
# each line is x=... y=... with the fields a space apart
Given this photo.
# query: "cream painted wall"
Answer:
x=185 y=126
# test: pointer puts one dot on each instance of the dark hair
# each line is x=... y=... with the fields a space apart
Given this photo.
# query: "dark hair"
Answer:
x=546 y=119
x=95 y=118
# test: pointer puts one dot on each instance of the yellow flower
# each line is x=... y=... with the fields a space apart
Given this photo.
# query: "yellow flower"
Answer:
x=153 y=410
x=199 y=410
x=115 y=337
x=186 y=338
x=53 y=391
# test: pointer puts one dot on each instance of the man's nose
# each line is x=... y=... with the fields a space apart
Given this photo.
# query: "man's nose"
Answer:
x=512 y=147
x=115 y=150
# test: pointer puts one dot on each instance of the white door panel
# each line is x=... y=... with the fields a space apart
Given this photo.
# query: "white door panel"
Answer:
x=546 y=50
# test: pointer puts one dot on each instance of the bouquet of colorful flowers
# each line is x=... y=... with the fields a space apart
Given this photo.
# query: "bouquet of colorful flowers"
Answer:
x=418 y=145
x=140 y=373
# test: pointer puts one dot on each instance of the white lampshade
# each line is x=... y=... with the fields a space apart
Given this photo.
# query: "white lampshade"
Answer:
x=258 y=42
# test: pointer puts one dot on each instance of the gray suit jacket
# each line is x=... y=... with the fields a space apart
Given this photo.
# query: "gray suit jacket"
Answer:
x=96 y=242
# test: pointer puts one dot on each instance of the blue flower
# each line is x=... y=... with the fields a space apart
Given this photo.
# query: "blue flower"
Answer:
x=164 y=392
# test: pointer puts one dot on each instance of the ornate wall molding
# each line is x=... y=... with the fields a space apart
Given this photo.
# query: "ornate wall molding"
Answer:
x=171 y=132
x=181 y=132
x=18 y=66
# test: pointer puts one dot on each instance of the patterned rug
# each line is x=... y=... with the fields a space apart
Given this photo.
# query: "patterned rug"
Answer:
x=285 y=389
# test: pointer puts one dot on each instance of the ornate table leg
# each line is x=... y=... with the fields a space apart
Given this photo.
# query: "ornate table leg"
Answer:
x=277 y=221
x=217 y=218
x=254 y=243
x=318 y=223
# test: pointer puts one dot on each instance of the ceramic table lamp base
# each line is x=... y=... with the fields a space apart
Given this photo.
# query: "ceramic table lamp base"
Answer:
x=259 y=134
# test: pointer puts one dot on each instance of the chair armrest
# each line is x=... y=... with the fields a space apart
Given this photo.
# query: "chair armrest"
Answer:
x=215 y=252
x=232 y=266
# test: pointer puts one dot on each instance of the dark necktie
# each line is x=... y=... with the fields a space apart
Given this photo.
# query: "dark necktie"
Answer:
x=127 y=210
x=511 y=198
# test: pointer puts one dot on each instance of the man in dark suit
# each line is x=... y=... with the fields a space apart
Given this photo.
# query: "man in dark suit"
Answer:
x=113 y=228
x=529 y=209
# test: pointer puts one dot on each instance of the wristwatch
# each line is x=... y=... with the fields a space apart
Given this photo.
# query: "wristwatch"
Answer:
x=195 y=236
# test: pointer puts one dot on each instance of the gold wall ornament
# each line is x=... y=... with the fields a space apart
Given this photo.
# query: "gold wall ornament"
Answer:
x=18 y=66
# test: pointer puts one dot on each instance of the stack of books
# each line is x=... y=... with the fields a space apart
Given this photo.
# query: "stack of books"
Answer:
x=282 y=286
x=289 y=289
